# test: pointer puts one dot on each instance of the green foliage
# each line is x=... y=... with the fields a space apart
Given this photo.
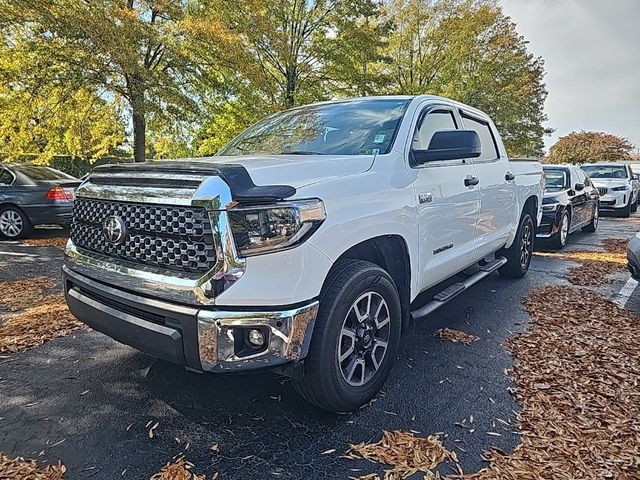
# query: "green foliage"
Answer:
x=590 y=147
x=190 y=75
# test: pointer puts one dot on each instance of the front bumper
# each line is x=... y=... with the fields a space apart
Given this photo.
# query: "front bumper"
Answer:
x=614 y=200
x=549 y=224
x=198 y=338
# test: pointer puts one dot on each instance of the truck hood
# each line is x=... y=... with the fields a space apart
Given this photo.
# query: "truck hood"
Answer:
x=296 y=170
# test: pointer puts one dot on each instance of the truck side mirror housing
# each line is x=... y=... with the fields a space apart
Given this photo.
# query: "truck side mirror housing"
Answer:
x=449 y=145
x=579 y=187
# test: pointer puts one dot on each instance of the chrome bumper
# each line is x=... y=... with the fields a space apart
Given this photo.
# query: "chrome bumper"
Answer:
x=201 y=339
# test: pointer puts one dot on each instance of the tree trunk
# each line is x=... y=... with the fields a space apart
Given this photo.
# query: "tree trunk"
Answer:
x=290 y=99
x=139 y=133
x=136 y=98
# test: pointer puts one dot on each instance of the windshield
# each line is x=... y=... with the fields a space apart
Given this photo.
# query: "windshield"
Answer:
x=40 y=173
x=605 y=171
x=355 y=127
x=555 y=179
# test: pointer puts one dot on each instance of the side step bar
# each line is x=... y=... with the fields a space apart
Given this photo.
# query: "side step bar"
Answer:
x=454 y=290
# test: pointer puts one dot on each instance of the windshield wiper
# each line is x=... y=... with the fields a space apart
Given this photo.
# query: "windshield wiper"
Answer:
x=300 y=152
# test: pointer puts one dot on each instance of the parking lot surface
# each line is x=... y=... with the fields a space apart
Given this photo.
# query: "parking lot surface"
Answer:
x=89 y=401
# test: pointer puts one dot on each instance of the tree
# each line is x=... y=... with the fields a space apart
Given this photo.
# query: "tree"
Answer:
x=590 y=147
x=468 y=50
x=138 y=50
x=44 y=119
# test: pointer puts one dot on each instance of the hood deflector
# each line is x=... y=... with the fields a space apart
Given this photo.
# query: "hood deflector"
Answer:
x=236 y=176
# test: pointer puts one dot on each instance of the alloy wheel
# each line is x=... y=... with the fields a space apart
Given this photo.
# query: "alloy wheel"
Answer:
x=11 y=223
x=596 y=214
x=526 y=246
x=564 y=230
x=364 y=339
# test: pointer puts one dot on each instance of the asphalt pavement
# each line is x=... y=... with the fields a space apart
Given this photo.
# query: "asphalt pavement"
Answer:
x=88 y=401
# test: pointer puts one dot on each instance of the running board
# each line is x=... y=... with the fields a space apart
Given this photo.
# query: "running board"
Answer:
x=456 y=289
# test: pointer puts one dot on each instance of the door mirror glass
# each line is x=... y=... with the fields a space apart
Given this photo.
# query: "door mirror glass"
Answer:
x=450 y=145
x=579 y=187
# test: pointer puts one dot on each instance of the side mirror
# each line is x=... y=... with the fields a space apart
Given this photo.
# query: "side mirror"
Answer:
x=579 y=187
x=635 y=176
x=450 y=145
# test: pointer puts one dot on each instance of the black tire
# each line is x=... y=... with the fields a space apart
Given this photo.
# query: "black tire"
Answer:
x=626 y=210
x=14 y=224
x=324 y=382
x=594 y=221
x=634 y=207
x=559 y=240
x=515 y=268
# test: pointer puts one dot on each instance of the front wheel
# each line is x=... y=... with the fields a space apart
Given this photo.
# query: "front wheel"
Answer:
x=594 y=221
x=559 y=240
x=519 y=254
x=355 y=338
x=626 y=210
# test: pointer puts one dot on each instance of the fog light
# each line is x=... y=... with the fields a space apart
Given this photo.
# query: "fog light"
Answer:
x=256 y=338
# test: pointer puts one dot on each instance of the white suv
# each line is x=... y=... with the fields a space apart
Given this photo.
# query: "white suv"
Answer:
x=617 y=186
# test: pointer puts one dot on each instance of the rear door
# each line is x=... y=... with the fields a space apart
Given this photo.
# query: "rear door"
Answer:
x=446 y=199
x=496 y=188
x=6 y=179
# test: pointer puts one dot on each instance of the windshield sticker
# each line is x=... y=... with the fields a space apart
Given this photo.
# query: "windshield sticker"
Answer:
x=379 y=138
x=369 y=151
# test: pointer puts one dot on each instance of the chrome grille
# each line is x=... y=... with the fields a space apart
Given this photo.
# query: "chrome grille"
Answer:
x=166 y=236
x=603 y=190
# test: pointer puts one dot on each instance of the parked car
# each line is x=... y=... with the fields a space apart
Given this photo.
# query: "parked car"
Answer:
x=635 y=172
x=633 y=256
x=303 y=245
x=33 y=195
x=570 y=203
x=615 y=182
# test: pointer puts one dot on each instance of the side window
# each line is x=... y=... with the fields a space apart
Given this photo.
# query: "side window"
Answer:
x=582 y=178
x=5 y=177
x=433 y=122
x=488 y=143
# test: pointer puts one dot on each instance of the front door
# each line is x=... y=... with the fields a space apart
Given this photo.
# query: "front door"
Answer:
x=447 y=203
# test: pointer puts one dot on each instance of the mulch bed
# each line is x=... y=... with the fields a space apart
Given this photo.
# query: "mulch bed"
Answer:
x=21 y=469
x=57 y=242
x=456 y=336
x=179 y=469
x=36 y=314
x=578 y=375
x=405 y=453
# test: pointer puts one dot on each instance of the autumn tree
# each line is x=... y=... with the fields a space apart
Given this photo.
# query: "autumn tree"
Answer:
x=42 y=119
x=136 y=50
x=468 y=50
x=590 y=147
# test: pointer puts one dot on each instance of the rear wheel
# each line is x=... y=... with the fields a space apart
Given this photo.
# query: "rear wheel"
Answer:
x=355 y=338
x=559 y=240
x=518 y=255
x=594 y=221
x=14 y=223
x=634 y=206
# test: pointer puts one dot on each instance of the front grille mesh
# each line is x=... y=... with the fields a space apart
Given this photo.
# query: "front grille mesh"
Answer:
x=171 y=237
x=603 y=190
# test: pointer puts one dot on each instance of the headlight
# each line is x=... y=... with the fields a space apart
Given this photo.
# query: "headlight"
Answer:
x=269 y=228
x=550 y=207
x=623 y=188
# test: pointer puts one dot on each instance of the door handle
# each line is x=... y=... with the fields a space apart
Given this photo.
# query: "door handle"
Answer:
x=509 y=176
x=471 y=181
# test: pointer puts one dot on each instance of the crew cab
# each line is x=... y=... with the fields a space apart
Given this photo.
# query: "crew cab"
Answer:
x=617 y=186
x=303 y=245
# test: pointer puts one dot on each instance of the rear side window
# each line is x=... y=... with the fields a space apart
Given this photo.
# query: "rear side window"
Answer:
x=39 y=173
x=6 y=178
x=488 y=143
x=433 y=122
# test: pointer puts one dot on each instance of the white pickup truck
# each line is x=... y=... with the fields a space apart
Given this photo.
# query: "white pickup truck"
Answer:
x=303 y=244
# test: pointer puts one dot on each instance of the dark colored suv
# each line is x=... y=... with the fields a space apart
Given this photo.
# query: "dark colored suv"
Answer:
x=33 y=195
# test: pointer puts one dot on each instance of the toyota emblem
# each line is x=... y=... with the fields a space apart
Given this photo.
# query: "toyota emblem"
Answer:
x=114 y=229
